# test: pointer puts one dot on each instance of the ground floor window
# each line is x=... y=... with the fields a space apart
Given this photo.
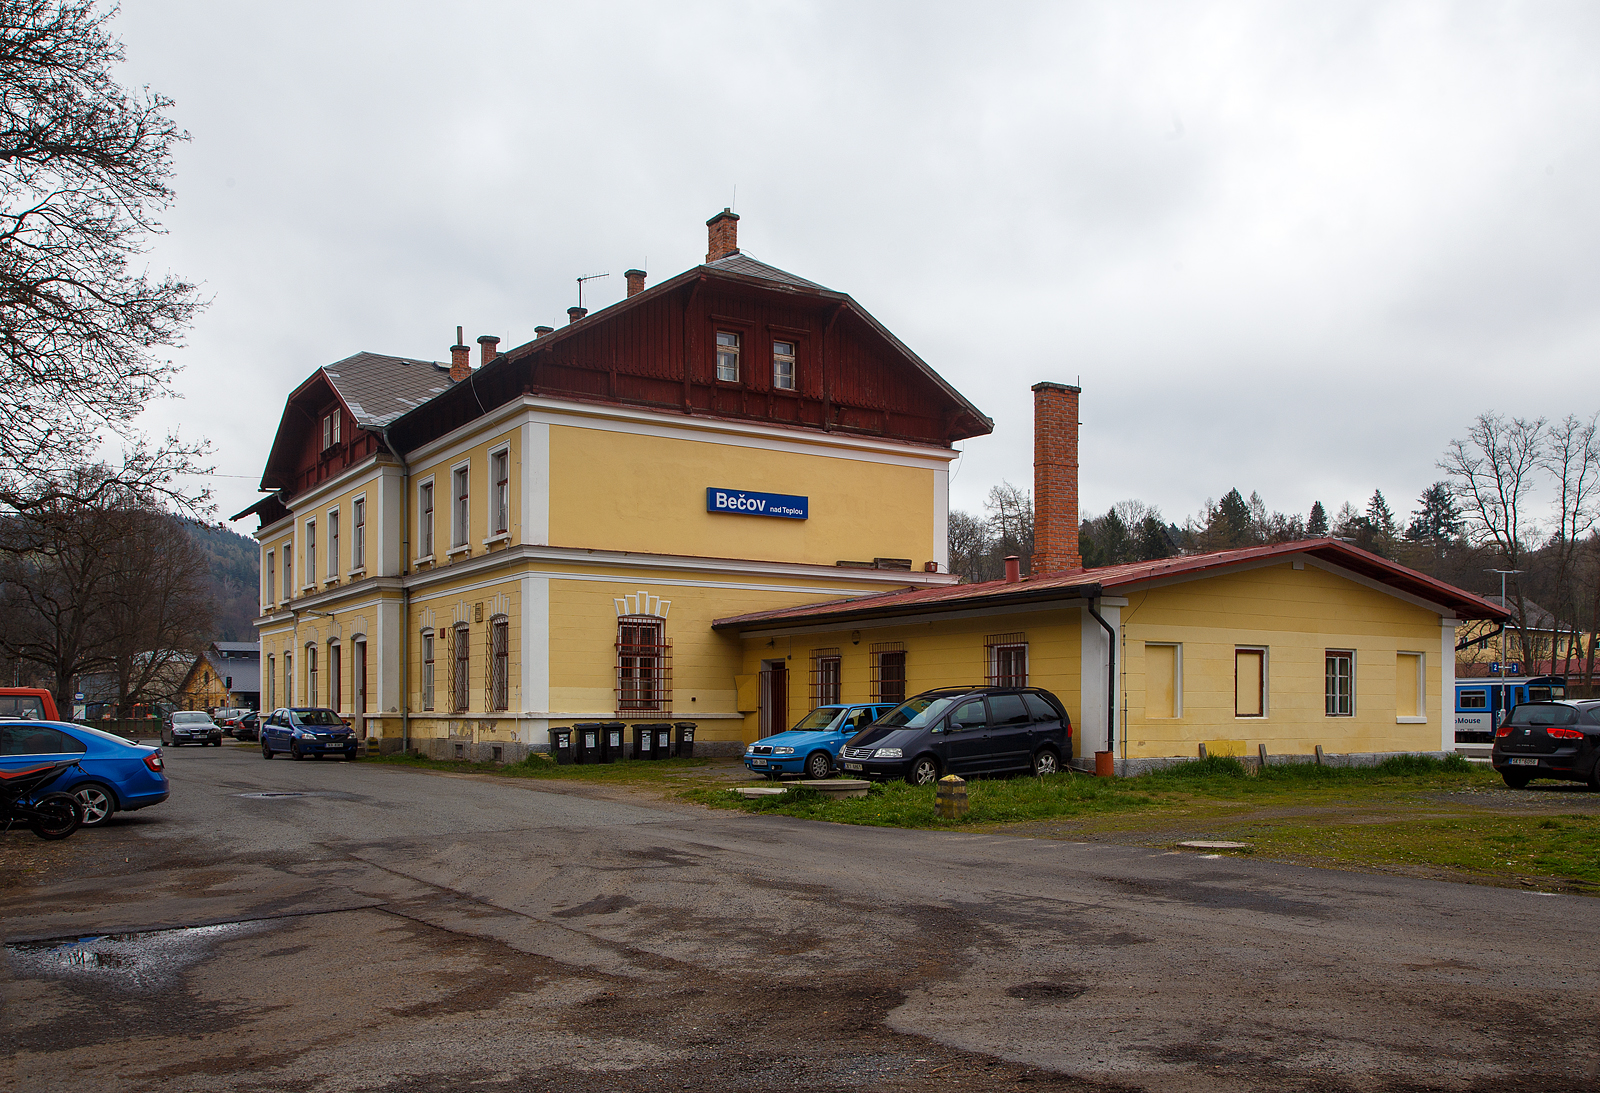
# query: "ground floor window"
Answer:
x=1339 y=683
x=889 y=671
x=288 y=679
x=272 y=683
x=1249 y=682
x=335 y=683
x=644 y=665
x=826 y=675
x=1007 y=655
x=427 y=669
x=463 y=659
x=500 y=663
x=311 y=675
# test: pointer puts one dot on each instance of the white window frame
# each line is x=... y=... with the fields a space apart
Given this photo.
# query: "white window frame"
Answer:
x=499 y=508
x=1327 y=655
x=733 y=352
x=429 y=667
x=460 y=508
x=425 y=519
x=994 y=662
x=1177 y=678
x=288 y=679
x=311 y=554
x=1421 y=716
x=1266 y=682
x=333 y=545
x=288 y=570
x=790 y=358
x=327 y=431
x=358 y=536
x=311 y=673
x=272 y=579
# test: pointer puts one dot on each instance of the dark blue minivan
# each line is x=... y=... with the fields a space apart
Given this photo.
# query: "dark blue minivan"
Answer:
x=965 y=731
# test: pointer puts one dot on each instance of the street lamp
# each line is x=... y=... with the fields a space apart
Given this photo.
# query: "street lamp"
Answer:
x=1503 y=573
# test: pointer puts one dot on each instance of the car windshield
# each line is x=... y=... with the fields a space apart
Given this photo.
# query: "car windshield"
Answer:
x=1539 y=713
x=319 y=718
x=914 y=713
x=817 y=720
x=183 y=718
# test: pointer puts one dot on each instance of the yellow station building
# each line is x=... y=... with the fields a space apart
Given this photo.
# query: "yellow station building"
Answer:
x=724 y=499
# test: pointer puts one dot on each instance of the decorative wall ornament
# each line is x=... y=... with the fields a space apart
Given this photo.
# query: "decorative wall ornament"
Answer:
x=642 y=603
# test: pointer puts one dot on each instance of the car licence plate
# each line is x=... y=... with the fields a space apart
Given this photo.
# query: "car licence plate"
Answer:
x=758 y=762
x=852 y=766
x=1522 y=761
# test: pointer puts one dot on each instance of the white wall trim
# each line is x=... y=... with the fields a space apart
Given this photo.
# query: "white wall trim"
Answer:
x=1447 y=685
x=535 y=641
x=535 y=515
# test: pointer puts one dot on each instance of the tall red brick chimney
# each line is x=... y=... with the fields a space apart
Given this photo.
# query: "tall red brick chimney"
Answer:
x=460 y=360
x=722 y=235
x=635 y=281
x=1055 y=478
x=487 y=343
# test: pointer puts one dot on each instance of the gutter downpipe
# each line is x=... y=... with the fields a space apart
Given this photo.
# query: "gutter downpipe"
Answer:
x=1092 y=593
x=405 y=589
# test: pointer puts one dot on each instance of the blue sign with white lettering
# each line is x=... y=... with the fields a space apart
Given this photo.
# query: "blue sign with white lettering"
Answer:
x=745 y=503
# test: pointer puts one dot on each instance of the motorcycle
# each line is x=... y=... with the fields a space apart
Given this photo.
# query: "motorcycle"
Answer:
x=49 y=815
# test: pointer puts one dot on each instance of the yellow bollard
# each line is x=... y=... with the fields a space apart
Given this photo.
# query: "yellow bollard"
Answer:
x=950 y=798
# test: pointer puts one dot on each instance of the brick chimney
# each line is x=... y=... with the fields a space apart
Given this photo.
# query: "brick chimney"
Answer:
x=460 y=360
x=723 y=235
x=1055 y=478
x=635 y=281
x=488 y=343
x=576 y=313
x=541 y=331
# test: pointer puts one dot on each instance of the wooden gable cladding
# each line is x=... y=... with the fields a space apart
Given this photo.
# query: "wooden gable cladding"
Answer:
x=300 y=459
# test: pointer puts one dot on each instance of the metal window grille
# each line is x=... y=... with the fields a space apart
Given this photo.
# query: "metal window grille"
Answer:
x=1007 y=655
x=644 y=666
x=427 y=671
x=499 y=663
x=463 y=657
x=1340 y=683
x=889 y=671
x=825 y=677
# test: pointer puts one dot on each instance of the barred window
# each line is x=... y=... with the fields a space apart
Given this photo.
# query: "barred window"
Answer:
x=463 y=660
x=825 y=677
x=644 y=665
x=1007 y=656
x=499 y=663
x=889 y=672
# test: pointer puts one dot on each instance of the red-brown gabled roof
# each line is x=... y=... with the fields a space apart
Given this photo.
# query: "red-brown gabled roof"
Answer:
x=1116 y=579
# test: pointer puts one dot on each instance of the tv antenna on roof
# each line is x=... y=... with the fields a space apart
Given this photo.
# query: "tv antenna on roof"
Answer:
x=590 y=277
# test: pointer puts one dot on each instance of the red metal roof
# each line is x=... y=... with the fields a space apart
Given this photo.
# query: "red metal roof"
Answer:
x=1115 y=579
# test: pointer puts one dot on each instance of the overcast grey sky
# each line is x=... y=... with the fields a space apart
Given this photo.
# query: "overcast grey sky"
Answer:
x=1288 y=248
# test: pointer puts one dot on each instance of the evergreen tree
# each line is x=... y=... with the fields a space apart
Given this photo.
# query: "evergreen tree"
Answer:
x=1317 y=524
x=1379 y=514
x=1232 y=524
x=1439 y=518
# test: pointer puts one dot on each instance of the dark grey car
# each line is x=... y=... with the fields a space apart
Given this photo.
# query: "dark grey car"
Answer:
x=190 y=727
x=1556 y=739
x=965 y=731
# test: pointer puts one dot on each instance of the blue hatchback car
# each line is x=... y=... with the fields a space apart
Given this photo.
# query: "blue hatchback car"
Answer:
x=304 y=731
x=812 y=747
x=113 y=775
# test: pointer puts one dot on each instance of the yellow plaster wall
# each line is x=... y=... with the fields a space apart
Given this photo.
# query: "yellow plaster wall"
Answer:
x=445 y=602
x=621 y=491
x=479 y=490
x=1297 y=615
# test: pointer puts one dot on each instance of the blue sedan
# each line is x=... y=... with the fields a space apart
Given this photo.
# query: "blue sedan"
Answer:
x=812 y=747
x=113 y=775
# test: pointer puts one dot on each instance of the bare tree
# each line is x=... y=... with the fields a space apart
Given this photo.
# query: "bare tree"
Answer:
x=160 y=608
x=84 y=168
x=969 y=547
x=1493 y=474
x=1011 y=522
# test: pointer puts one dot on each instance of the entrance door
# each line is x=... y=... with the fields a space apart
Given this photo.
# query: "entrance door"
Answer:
x=358 y=668
x=774 y=696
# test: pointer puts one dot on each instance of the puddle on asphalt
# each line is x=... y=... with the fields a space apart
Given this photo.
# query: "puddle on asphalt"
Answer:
x=137 y=963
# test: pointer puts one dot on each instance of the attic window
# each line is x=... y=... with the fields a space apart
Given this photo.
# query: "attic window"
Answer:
x=783 y=365
x=727 y=357
x=330 y=430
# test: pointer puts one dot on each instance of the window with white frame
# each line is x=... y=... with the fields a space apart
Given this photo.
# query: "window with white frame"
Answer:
x=272 y=578
x=727 y=356
x=335 y=680
x=333 y=544
x=311 y=552
x=783 y=365
x=425 y=519
x=288 y=679
x=288 y=568
x=427 y=669
x=458 y=518
x=358 y=541
x=1008 y=660
x=328 y=438
x=500 y=475
x=826 y=676
x=272 y=682
x=311 y=674
x=1339 y=683
x=1249 y=682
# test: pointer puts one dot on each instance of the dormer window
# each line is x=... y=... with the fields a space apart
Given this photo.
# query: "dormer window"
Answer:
x=330 y=430
x=783 y=366
x=727 y=357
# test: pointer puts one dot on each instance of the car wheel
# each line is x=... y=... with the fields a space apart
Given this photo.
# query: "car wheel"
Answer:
x=266 y=752
x=98 y=803
x=1046 y=762
x=1516 y=779
x=925 y=771
x=1594 y=775
x=294 y=753
x=818 y=765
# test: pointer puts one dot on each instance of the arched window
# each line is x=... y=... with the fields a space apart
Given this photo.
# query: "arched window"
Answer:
x=311 y=673
x=463 y=668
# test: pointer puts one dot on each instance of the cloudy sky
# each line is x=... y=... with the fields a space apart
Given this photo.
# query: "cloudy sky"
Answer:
x=1289 y=248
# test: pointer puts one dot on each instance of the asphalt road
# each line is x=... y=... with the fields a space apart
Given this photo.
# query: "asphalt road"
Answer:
x=386 y=929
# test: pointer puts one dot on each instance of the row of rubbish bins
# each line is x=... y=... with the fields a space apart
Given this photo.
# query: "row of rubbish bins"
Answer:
x=607 y=741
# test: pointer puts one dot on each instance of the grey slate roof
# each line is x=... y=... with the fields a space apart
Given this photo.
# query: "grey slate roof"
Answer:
x=246 y=674
x=745 y=265
x=379 y=388
x=238 y=648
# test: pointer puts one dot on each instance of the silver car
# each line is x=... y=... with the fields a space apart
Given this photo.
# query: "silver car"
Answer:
x=190 y=727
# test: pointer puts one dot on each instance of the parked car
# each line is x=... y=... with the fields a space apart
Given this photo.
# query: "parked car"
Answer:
x=228 y=719
x=965 y=731
x=812 y=747
x=190 y=727
x=248 y=726
x=28 y=702
x=306 y=731
x=1555 y=739
x=113 y=775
